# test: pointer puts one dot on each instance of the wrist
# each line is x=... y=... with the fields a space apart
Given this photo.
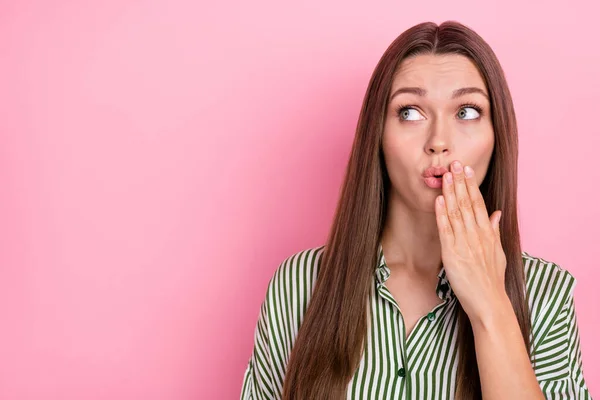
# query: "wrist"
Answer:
x=496 y=316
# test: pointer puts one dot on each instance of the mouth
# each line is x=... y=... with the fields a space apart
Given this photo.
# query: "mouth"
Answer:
x=433 y=182
x=435 y=171
x=432 y=176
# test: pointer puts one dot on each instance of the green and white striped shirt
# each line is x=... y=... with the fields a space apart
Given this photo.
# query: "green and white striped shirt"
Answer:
x=422 y=366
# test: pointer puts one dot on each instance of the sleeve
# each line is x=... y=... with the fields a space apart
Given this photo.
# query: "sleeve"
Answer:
x=258 y=382
x=558 y=364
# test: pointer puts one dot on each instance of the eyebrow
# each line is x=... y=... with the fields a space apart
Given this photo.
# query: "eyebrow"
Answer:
x=457 y=93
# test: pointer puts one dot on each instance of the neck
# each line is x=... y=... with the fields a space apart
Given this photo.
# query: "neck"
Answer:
x=410 y=239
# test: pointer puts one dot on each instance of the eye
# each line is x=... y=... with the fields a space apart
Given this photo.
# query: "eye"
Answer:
x=465 y=114
x=407 y=113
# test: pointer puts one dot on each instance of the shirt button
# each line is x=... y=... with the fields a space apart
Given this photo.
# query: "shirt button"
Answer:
x=431 y=316
x=401 y=373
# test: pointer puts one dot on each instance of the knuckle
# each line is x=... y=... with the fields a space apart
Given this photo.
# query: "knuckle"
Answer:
x=484 y=231
x=464 y=202
x=486 y=241
x=476 y=249
x=459 y=178
x=478 y=202
x=454 y=213
x=447 y=229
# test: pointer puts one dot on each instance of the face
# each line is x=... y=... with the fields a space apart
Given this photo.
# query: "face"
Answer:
x=438 y=112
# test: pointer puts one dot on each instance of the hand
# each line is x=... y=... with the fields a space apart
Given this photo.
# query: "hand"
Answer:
x=472 y=252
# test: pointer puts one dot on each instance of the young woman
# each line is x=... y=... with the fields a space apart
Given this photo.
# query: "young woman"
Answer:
x=420 y=293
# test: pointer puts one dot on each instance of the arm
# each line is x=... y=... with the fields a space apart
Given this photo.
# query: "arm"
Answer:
x=287 y=296
x=475 y=265
x=258 y=379
x=556 y=353
x=504 y=367
x=557 y=357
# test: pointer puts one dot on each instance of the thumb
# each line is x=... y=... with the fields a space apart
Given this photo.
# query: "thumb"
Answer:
x=496 y=223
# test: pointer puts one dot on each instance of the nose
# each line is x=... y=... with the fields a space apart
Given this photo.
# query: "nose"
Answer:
x=438 y=141
x=437 y=148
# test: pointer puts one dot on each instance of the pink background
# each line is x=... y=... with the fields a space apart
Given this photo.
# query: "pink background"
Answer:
x=159 y=159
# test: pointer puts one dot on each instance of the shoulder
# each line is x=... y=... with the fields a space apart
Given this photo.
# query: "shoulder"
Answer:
x=291 y=285
x=299 y=269
x=281 y=313
x=549 y=286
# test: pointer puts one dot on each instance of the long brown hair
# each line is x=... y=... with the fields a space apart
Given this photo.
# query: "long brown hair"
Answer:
x=330 y=341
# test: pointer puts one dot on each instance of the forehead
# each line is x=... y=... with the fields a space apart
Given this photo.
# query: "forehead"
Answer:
x=440 y=75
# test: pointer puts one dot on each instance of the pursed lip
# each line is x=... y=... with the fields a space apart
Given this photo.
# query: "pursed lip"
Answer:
x=433 y=171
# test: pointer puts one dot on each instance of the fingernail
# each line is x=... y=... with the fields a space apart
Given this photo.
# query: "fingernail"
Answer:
x=468 y=171
x=448 y=177
x=456 y=167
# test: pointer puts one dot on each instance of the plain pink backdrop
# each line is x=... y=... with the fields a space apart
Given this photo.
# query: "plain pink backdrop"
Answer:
x=159 y=159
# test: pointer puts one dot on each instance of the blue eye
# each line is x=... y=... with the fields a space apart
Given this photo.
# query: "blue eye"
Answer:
x=466 y=112
x=404 y=113
x=474 y=114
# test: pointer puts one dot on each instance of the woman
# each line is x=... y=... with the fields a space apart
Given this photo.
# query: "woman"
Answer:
x=420 y=294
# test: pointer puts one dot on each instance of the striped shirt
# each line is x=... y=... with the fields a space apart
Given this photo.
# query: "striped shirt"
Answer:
x=424 y=365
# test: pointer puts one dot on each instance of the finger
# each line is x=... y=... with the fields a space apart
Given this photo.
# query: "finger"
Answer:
x=443 y=223
x=477 y=201
x=463 y=200
x=452 y=210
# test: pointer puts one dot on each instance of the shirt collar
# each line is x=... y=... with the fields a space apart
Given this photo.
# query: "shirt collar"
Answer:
x=382 y=273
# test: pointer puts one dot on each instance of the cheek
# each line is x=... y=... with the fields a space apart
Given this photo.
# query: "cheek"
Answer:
x=480 y=156
x=397 y=162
